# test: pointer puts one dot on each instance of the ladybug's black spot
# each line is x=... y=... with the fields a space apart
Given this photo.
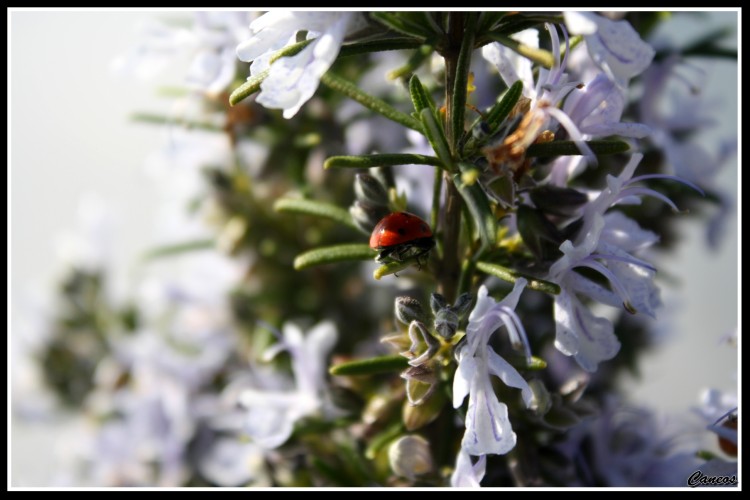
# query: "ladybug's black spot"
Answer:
x=423 y=228
x=401 y=231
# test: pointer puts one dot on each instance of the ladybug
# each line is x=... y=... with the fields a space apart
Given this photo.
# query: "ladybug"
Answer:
x=400 y=236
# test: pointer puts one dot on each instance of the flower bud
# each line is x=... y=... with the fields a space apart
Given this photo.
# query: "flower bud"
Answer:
x=367 y=216
x=409 y=309
x=437 y=302
x=461 y=307
x=410 y=456
x=369 y=190
x=541 y=400
x=420 y=383
x=573 y=389
x=446 y=323
x=416 y=417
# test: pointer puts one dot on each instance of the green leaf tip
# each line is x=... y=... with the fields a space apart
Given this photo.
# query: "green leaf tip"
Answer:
x=332 y=254
x=370 y=366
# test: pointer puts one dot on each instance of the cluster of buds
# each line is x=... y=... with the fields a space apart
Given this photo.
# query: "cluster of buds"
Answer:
x=422 y=375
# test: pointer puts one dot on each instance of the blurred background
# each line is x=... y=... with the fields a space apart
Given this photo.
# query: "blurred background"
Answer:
x=70 y=138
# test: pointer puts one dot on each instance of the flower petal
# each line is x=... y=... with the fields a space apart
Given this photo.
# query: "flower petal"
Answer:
x=293 y=80
x=466 y=474
x=509 y=375
x=579 y=333
x=615 y=46
x=467 y=366
x=488 y=429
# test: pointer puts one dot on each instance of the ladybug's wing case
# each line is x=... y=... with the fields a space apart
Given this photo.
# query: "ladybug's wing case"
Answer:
x=398 y=228
x=376 y=234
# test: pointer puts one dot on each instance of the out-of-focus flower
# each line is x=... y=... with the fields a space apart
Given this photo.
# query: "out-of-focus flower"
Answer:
x=178 y=171
x=271 y=415
x=488 y=429
x=209 y=43
x=416 y=181
x=30 y=335
x=685 y=113
x=677 y=109
x=627 y=447
x=89 y=246
x=293 y=80
x=613 y=45
x=232 y=462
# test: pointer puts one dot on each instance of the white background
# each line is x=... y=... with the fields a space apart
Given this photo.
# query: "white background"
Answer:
x=69 y=134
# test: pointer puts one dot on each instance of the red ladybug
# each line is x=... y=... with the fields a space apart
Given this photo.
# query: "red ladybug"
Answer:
x=401 y=236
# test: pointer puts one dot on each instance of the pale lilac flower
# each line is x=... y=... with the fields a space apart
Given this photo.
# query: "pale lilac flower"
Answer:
x=488 y=429
x=675 y=108
x=546 y=92
x=209 y=44
x=177 y=169
x=292 y=81
x=605 y=243
x=628 y=447
x=153 y=418
x=231 y=462
x=596 y=109
x=184 y=342
x=271 y=414
x=613 y=45
x=30 y=335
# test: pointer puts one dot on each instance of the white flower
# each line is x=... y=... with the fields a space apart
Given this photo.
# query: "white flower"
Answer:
x=293 y=80
x=271 y=415
x=488 y=429
x=466 y=474
x=613 y=45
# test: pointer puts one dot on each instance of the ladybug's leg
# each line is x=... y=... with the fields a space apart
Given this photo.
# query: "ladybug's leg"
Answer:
x=401 y=252
x=419 y=256
x=384 y=254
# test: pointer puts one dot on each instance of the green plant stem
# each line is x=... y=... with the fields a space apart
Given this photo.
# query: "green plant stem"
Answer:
x=450 y=269
x=437 y=188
